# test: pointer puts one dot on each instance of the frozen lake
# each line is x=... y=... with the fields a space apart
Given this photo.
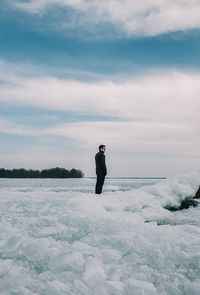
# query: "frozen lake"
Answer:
x=57 y=237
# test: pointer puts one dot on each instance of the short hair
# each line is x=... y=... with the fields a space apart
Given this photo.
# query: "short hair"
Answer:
x=101 y=146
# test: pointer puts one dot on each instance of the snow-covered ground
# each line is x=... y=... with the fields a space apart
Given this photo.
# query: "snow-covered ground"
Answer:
x=57 y=237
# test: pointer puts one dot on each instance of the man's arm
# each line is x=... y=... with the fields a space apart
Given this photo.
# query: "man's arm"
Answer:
x=103 y=164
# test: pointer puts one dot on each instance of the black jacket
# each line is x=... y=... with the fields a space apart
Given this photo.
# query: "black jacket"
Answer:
x=100 y=163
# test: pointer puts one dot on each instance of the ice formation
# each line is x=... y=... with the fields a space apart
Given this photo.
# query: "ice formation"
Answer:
x=58 y=240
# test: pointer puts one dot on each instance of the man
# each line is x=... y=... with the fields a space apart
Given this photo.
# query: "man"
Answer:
x=101 y=170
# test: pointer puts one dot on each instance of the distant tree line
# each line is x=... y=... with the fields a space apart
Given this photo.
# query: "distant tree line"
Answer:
x=46 y=173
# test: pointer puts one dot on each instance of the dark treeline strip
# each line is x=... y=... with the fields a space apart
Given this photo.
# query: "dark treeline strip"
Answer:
x=46 y=173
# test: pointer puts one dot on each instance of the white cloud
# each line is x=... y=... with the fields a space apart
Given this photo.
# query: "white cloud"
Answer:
x=9 y=127
x=160 y=97
x=154 y=116
x=144 y=17
x=132 y=148
x=121 y=136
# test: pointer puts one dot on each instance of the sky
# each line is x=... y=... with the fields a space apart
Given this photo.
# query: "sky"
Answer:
x=75 y=74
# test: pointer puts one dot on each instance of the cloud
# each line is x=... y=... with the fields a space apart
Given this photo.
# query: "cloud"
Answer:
x=134 y=137
x=170 y=97
x=153 y=116
x=9 y=127
x=124 y=136
x=145 y=17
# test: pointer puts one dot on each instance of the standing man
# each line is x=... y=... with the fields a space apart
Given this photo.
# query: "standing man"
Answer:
x=101 y=170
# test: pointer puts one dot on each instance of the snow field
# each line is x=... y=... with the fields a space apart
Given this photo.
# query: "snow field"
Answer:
x=68 y=242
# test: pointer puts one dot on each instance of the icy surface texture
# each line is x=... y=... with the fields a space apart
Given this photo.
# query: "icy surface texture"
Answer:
x=57 y=237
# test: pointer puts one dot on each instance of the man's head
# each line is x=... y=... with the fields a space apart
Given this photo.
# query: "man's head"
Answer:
x=102 y=148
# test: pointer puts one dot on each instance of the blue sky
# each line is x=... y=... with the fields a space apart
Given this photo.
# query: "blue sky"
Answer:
x=76 y=74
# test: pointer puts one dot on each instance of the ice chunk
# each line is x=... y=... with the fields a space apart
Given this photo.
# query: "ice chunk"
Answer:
x=94 y=273
x=100 y=290
x=136 y=287
x=172 y=290
x=115 y=287
x=192 y=288
x=73 y=260
x=108 y=255
x=56 y=287
x=11 y=246
x=81 y=288
x=84 y=248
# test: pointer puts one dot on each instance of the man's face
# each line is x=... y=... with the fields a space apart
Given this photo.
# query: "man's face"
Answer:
x=103 y=149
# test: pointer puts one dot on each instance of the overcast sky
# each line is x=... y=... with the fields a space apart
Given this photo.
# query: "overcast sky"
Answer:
x=79 y=73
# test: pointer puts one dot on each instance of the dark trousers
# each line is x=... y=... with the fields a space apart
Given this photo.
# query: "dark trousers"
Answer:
x=99 y=183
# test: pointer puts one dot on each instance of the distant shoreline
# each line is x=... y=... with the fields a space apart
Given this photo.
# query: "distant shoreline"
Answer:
x=93 y=177
x=125 y=178
x=40 y=174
